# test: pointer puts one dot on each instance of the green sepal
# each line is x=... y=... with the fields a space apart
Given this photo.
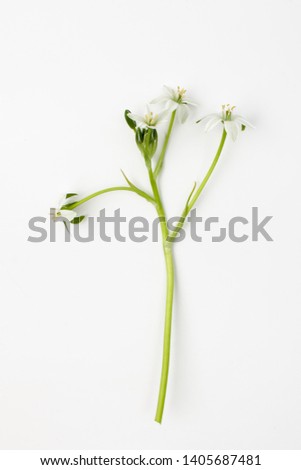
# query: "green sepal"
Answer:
x=77 y=220
x=153 y=142
x=70 y=195
x=243 y=127
x=132 y=124
x=140 y=133
x=69 y=206
x=150 y=142
x=147 y=141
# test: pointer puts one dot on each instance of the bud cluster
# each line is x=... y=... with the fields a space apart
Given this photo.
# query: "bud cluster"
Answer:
x=146 y=137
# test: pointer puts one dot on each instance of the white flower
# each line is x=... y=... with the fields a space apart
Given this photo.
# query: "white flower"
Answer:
x=174 y=99
x=66 y=213
x=69 y=215
x=233 y=123
x=150 y=120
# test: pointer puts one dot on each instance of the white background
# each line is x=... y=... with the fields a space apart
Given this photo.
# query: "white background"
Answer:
x=81 y=324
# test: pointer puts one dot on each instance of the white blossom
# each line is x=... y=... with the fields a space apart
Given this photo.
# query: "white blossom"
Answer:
x=233 y=123
x=149 y=120
x=175 y=99
x=66 y=213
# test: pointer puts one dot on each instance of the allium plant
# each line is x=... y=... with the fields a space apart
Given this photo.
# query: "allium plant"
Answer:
x=144 y=127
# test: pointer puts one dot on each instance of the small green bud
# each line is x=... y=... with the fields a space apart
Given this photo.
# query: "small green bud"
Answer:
x=147 y=141
x=77 y=220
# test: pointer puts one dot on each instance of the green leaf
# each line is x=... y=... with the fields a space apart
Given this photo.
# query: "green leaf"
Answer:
x=70 y=195
x=127 y=180
x=132 y=185
x=77 y=220
x=129 y=121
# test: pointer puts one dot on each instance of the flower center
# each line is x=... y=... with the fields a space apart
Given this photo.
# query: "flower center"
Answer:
x=227 y=112
x=151 y=119
x=180 y=92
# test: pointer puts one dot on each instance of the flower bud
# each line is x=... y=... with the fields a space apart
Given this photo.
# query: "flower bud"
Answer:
x=151 y=142
x=147 y=141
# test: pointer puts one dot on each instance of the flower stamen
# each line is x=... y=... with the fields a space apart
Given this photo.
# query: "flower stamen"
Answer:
x=151 y=119
x=181 y=92
x=227 y=110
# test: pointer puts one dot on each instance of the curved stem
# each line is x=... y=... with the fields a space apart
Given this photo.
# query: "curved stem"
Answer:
x=198 y=192
x=108 y=190
x=169 y=263
x=165 y=144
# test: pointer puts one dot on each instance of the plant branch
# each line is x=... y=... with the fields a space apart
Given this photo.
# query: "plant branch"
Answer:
x=108 y=190
x=193 y=198
x=165 y=144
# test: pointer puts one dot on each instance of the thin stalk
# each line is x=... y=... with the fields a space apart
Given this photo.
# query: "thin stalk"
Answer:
x=108 y=190
x=168 y=255
x=169 y=263
x=198 y=192
x=165 y=144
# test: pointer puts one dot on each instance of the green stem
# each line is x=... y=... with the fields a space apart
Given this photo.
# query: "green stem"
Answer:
x=108 y=190
x=168 y=255
x=197 y=194
x=169 y=263
x=165 y=144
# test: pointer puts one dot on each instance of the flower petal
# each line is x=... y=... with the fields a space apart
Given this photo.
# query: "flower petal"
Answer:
x=62 y=201
x=208 y=117
x=170 y=92
x=182 y=113
x=69 y=200
x=171 y=105
x=162 y=115
x=242 y=121
x=159 y=99
x=212 y=123
x=69 y=215
x=190 y=103
x=136 y=117
x=232 y=129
